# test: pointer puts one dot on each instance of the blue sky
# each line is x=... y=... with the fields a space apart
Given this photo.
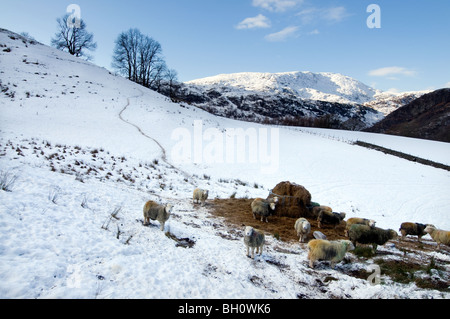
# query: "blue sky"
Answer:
x=411 y=50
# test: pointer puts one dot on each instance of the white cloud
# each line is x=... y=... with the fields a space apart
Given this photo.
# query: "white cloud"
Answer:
x=447 y=85
x=392 y=71
x=282 y=35
x=332 y=14
x=336 y=14
x=277 y=5
x=308 y=15
x=259 y=21
x=393 y=91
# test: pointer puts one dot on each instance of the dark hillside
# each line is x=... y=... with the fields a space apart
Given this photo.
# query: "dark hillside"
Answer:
x=427 y=117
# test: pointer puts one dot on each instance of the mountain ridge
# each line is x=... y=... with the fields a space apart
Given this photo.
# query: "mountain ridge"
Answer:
x=427 y=117
x=298 y=98
x=321 y=86
x=326 y=86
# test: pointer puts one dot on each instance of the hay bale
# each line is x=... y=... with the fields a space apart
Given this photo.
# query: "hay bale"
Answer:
x=294 y=200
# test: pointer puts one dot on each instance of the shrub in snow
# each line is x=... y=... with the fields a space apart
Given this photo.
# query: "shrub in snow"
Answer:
x=7 y=181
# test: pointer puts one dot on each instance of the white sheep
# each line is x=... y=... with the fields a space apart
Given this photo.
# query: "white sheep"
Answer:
x=154 y=211
x=263 y=208
x=254 y=238
x=439 y=236
x=334 y=251
x=303 y=228
x=200 y=195
x=358 y=221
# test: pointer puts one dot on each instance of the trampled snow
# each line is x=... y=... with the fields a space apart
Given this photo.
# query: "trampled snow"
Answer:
x=88 y=149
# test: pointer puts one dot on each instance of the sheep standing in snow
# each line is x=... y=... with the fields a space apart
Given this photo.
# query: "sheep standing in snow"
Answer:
x=364 y=234
x=254 y=238
x=200 y=195
x=154 y=211
x=263 y=208
x=414 y=229
x=438 y=235
x=333 y=251
x=330 y=218
x=303 y=228
x=358 y=221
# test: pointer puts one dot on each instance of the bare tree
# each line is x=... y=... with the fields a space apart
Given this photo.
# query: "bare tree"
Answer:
x=73 y=39
x=125 y=54
x=157 y=76
x=172 y=78
x=149 y=56
x=139 y=57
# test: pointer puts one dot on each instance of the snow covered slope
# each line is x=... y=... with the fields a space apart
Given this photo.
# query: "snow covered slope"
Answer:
x=85 y=149
x=330 y=87
x=293 y=96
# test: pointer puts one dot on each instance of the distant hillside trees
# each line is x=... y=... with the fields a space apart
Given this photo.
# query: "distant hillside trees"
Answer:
x=73 y=39
x=139 y=57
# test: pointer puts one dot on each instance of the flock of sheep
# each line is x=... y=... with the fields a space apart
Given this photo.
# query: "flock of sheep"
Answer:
x=358 y=230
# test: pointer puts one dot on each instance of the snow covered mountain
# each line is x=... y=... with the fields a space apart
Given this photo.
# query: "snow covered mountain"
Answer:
x=329 y=87
x=82 y=150
x=262 y=96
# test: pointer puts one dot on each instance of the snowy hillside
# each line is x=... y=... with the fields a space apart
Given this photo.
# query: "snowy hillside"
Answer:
x=388 y=102
x=324 y=86
x=84 y=150
x=329 y=87
x=293 y=97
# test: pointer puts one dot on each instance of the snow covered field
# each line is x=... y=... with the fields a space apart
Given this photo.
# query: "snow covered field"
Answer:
x=89 y=148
